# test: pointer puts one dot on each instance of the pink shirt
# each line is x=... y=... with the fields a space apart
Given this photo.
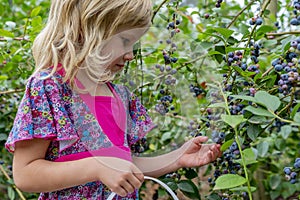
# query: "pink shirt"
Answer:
x=110 y=114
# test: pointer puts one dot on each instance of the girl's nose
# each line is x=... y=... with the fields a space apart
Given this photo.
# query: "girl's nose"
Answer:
x=128 y=56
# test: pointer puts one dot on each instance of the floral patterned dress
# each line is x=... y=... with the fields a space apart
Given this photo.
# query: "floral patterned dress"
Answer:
x=51 y=110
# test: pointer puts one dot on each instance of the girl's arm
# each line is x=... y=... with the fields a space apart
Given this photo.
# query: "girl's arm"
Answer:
x=191 y=154
x=32 y=173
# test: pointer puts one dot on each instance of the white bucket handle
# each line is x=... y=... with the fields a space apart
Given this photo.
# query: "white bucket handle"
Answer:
x=112 y=195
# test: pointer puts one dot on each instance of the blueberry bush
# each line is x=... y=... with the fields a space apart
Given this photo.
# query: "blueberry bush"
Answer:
x=225 y=69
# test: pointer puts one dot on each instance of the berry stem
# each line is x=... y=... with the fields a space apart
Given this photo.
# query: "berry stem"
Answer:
x=157 y=9
x=243 y=162
x=12 y=91
x=283 y=33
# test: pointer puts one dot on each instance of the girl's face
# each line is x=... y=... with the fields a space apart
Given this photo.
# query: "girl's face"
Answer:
x=121 y=48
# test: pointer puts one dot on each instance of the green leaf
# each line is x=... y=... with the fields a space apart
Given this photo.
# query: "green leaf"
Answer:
x=229 y=181
x=163 y=17
x=191 y=173
x=255 y=119
x=243 y=189
x=249 y=156
x=11 y=193
x=233 y=120
x=172 y=185
x=285 y=131
x=3 y=137
x=253 y=131
x=189 y=189
x=259 y=111
x=225 y=32
x=263 y=30
x=3 y=77
x=218 y=105
x=244 y=97
x=295 y=110
x=214 y=53
x=5 y=33
x=166 y=136
x=226 y=145
x=297 y=117
x=263 y=148
x=35 y=11
x=264 y=98
x=275 y=181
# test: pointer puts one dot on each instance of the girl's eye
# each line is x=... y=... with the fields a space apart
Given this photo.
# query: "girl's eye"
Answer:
x=125 y=41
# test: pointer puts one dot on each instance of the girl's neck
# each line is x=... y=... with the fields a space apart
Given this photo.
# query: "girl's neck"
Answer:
x=93 y=88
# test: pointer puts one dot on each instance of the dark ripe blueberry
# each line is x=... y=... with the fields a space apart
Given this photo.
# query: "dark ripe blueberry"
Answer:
x=230 y=54
x=220 y=1
x=293 y=181
x=254 y=59
x=284 y=76
x=172 y=108
x=178 y=22
x=294 y=22
x=173 y=71
x=168 y=41
x=251 y=22
x=167 y=59
x=293 y=175
x=276 y=61
x=297 y=165
x=162 y=68
x=218 y=5
x=276 y=24
x=298 y=46
x=162 y=91
x=297 y=6
x=174 y=60
x=297 y=160
x=206 y=15
x=287 y=69
x=9 y=167
x=168 y=68
x=1 y=162
x=244 y=66
x=295 y=12
x=209 y=179
x=157 y=66
x=259 y=21
x=173 y=33
x=278 y=67
x=171 y=25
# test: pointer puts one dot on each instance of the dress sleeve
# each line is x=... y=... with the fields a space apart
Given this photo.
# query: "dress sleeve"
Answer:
x=141 y=123
x=43 y=114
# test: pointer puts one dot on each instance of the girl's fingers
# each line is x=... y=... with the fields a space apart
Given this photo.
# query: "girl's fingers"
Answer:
x=200 y=139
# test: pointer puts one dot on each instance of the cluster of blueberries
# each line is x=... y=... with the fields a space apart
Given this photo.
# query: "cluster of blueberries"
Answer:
x=140 y=146
x=164 y=104
x=227 y=165
x=218 y=4
x=256 y=21
x=235 y=59
x=196 y=90
x=194 y=128
x=287 y=68
x=291 y=172
x=295 y=21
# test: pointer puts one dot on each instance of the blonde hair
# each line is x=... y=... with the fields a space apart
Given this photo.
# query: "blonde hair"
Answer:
x=76 y=29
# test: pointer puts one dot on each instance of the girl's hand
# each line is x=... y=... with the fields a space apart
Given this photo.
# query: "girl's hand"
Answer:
x=193 y=153
x=121 y=176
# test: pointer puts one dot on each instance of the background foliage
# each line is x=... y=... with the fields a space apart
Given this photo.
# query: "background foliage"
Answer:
x=205 y=67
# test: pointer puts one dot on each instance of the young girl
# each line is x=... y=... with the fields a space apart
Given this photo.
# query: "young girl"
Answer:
x=73 y=131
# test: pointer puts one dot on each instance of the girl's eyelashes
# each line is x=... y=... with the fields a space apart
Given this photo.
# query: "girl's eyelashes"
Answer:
x=125 y=41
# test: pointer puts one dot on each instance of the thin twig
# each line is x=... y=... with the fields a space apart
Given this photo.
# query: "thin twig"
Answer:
x=283 y=33
x=157 y=9
x=15 y=38
x=239 y=13
x=12 y=91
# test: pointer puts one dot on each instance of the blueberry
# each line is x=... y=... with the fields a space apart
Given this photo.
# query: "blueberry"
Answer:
x=293 y=181
x=294 y=22
x=298 y=46
x=259 y=21
x=278 y=67
x=287 y=170
x=293 y=175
